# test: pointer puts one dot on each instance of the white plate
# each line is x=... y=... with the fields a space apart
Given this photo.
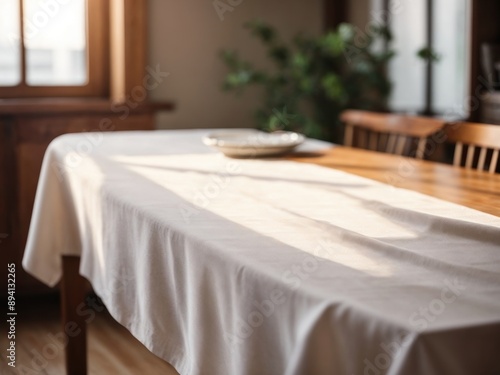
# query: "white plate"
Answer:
x=253 y=143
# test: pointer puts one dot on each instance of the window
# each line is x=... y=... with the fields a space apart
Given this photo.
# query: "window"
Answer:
x=10 y=54
x=450 y=38
x=447 y=25
x=53 y=48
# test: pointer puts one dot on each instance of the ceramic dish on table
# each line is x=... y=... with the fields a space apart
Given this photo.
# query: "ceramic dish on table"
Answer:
x=245 y=143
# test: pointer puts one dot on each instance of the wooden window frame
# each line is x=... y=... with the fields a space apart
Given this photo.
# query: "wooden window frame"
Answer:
x=97 y=14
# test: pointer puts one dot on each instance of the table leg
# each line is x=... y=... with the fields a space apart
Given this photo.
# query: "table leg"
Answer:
x=72 y=295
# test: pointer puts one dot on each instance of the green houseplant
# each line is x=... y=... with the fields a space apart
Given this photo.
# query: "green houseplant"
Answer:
x=315 y=78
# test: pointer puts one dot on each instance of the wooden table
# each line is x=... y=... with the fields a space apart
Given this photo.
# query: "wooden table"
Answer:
x=466 y=187
x=478 y=190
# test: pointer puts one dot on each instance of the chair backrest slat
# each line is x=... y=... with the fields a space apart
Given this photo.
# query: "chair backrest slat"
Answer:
x=494 y=161
x=422 y=142
x=470 y=156
x=482 y=158
x=400 y=145
x=349 y=135
x=458 y=153
x=391 y=143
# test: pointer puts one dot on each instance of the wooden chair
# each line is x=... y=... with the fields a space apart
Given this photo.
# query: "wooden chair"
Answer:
x=389 y=133
x=475 y=137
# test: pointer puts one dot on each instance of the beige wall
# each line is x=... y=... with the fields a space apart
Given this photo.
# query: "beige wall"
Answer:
x=185 y=37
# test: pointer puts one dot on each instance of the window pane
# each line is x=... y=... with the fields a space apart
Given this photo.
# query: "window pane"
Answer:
x=406 y=70
x=55 y=42
x=450 y=41
x=10 y=43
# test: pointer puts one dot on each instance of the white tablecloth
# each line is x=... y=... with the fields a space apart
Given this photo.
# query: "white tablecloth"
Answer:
x=225 y=266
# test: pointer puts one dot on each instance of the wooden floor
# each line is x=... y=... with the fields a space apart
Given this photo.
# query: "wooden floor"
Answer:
x=112 y=349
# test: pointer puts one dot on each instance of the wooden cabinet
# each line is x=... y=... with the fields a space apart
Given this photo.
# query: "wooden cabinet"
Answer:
x=26 y=129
